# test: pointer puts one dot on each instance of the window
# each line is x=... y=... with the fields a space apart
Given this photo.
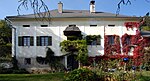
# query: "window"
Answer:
x=111 y=40
x=44 y=25
x=111 y=25
x=93 y=25
x=25 y=41
x=26 y=25
x=27 y=61
x=93 y=40
x=44 y=41
x=128 y=40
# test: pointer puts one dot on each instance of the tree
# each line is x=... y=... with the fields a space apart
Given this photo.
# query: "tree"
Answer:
x=146 y=24
x=37 y=6
x=125 y=2
x=5 y=39
x=5 y=32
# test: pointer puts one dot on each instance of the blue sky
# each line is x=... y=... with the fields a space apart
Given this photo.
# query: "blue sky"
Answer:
x=137 y=8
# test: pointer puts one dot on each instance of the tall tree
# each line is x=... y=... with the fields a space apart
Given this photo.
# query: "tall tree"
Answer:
x=5 y=39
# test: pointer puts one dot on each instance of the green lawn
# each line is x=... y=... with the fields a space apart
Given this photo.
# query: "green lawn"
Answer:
x=32 y=77
x=144 y=77
x=56 y=77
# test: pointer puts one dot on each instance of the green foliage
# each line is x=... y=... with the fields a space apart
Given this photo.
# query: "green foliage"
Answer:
x=53 y=61
x=5 y=33
x=74 y=37
x=5 y=41
x=143 y=76
x=5 y=50
x=15 y=63
x=13 y=71
x=78 y=46
x=50 y=58
x=146 y=28
x=82 y=74
x=146 y=24
x=91 y=38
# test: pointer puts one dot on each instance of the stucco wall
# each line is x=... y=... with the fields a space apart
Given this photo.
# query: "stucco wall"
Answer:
x=56 y=28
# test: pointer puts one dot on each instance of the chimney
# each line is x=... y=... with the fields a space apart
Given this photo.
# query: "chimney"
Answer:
x=60 y=7
x=92 y=6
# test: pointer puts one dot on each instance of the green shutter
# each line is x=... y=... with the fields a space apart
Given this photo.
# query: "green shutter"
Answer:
x=49 y=40
x=20 y=41
x=31 y=41
x=38 y=41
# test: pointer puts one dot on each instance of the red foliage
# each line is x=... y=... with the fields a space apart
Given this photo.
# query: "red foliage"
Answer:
x=126 y=43
x=113 y=51
x=110 y=49
x=131 y=25
x=135 y=41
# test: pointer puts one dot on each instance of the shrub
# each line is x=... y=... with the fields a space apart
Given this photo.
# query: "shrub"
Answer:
x=5 y=71
x=82 y=74
x=13 y=71
x=20 y=71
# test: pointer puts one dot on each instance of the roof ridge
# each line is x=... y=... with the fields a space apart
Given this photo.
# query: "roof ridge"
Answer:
x=67 y=13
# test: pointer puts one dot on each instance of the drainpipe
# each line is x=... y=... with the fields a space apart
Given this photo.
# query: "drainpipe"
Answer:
x=121 y=49
x=11 y=26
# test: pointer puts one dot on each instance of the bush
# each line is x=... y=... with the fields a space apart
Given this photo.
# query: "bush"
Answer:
x=5 y=71
x=20 y=71
x=13 y=71
x=82 y=74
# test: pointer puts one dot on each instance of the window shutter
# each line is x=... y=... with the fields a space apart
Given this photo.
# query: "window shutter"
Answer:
x=38 y=41
x=20 y=41
x=49 y=40
x=31 y=41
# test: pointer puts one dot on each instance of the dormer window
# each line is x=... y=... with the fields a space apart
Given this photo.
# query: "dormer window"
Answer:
x=26 y=25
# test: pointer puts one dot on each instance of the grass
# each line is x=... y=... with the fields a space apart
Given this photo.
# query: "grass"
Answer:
x=56 y=77
x=32 y=77
x=144 y=77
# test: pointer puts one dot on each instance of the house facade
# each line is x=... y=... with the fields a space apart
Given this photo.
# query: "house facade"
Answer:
x=31 y=38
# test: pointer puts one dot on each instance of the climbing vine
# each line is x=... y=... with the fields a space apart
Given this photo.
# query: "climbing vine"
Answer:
x=135 y=42
x=111 y=49
x=131 y=25
x=78 y=46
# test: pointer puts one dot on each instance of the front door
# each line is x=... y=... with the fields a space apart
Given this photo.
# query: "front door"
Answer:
x=72 y=63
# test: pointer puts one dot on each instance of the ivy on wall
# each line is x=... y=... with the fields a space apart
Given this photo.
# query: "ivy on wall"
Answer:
x=137 y=42
x=131 y=25
x=78 y=46
x=93 y=39
x=111 y=49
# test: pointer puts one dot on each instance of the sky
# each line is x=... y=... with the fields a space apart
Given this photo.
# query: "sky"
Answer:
x=137 y=8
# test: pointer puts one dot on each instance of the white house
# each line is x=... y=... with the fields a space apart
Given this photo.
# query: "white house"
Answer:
x=30 y=38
